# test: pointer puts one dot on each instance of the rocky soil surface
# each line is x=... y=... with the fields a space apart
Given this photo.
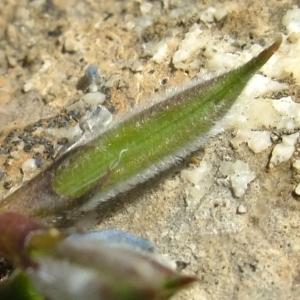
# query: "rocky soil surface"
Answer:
x=242 y=246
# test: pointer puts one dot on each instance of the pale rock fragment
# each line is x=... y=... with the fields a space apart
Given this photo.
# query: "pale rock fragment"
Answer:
x=29 y=166
x=239 y=175
x=296 y=165
x=225 y=61
x=208 y=16
x=94 y=98
x=188 y=46
x=283 y=152
x=289 y=112
x=161 y=52
x=69 y=133
x=15 y=155
x=29 y=85
x=220 y=13
x=145 y=8
x=257 y=141
x=292 y=20
x=71 y=45
x=133 y=65
x=241 y=209
x=201 y=178
x=35 y=81
x=297 y=190
x=259 y=85
x=285 y=62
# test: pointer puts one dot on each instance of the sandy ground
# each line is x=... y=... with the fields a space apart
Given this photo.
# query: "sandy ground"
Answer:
x=47 y=45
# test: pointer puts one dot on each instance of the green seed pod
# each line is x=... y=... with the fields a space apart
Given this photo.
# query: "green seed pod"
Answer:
x=134 y=147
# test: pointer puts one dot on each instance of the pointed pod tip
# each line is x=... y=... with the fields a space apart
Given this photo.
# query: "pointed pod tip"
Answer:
x=277 y=42
x=269 y=51
x=258 y=61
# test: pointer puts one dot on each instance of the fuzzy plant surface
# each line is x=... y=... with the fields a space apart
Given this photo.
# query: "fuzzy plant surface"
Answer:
x=134 y=147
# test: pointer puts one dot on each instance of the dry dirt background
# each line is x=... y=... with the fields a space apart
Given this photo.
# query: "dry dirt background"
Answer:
x=254 y=255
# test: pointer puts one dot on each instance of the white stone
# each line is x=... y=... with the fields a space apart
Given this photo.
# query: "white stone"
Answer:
x=239 y=175
x=284 y=62
x=297 y=190
x=15 y=155
x=220 y=13
x=145 y=8
x=289 y=112
x=94 y=98
x=283 y=152
x=208 y=16
x=69 y=133
x=161 y=53
x=296 y=165
x=260 y=85
x=202 y=179
x=188 y=46
x=29 y=85
x=242 y=209
x=257 y=141
x=71 y=45
x=292 y=20
x=29 y=165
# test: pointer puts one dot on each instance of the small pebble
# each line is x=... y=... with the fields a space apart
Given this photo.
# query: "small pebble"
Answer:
x=181 y=265
x=12 y=133
x=38 y=124
x=56 y=32
x=37 y=154
x=29 y=166
x=241 y=209
x=8 y=162
x=29 y=128
x=15 y=155
x=27 y=139
x=7 y=184
x=63 y=122
x=105 y=90
x=21 y=135
x=296 y=165
x=63 y=141
x=112 y=110
x=39 y=162
x=77 y=116
x=2 y=174
x=49 y=151
x=6 y=150
x=7 y=140
x=92 y=74
x=71 y=113
x=42 y=141
x=16 y=141
x=164 y=81
x=34 y=140
x=71 y=45
x=297 y=190
x=51 y=125
x=27 y=148
x=275 y=138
